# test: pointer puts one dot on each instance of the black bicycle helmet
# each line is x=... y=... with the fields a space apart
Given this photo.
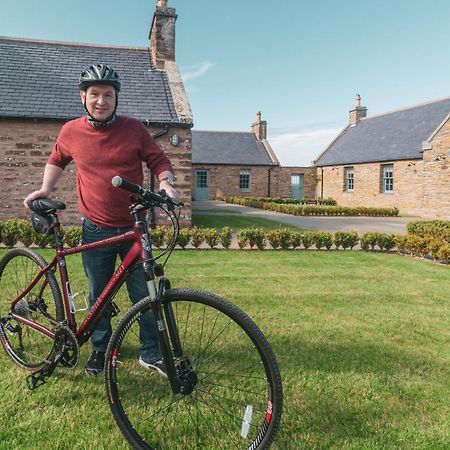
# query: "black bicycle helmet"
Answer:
x=99 y=74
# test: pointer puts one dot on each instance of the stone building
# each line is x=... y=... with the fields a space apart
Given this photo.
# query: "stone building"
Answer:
x=396 y=159
x=39 y=94
x=243 y=164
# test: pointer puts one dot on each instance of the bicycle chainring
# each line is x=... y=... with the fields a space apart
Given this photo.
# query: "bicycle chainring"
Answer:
x=70 y=346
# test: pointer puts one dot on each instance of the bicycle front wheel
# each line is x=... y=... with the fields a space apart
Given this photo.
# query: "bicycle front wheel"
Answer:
x=237 y=400
x=26 y=346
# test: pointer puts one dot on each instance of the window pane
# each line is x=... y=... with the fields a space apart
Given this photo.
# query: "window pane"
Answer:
x=349 y=179
x=295 y=180
x=244 y=180
x=388 y=178
x=202 y=179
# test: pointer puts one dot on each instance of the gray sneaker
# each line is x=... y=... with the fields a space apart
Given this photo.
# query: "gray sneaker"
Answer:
x=156 y=365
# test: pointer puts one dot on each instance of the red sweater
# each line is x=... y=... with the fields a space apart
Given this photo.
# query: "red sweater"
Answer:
x=102 y=153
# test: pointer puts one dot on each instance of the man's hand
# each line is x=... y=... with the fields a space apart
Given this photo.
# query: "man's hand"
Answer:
x=41 y=193
x=170 y=191
x=51 y=175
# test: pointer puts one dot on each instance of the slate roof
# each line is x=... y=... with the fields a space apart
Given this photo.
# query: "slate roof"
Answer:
x=39 y=80
x=392 y=136
x=230 y=148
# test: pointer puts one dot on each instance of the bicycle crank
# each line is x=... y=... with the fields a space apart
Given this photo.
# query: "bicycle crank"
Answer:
x=65 y=351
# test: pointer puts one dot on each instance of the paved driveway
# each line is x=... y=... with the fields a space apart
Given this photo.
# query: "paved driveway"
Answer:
x=396 y=225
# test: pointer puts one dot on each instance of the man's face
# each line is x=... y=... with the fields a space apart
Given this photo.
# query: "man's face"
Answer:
x=100 y=100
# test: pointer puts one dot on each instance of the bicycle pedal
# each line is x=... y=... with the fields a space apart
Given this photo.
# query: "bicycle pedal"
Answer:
x=34 y=381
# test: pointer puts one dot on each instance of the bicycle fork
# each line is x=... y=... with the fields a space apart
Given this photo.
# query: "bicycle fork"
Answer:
x=181 y=376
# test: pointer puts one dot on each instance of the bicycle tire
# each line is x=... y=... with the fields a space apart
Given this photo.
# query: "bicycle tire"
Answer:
x=18 y=268
x=236 y=369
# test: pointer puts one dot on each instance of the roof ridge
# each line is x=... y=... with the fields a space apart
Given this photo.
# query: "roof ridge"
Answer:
x=406 y=108
x=223 y=131
x=68 y=43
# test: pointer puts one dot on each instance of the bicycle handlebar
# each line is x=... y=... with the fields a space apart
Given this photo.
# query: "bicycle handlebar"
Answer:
x=158 y=198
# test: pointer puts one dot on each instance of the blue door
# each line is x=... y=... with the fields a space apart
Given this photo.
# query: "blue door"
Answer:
x=297 y=185
x=201 y=185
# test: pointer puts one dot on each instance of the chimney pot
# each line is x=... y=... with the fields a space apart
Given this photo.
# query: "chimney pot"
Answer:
x=259 y=128
x=358 y=112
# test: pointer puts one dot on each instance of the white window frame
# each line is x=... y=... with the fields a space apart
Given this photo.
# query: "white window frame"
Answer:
x=244 y=178
x=387 y=178
x=349 y=178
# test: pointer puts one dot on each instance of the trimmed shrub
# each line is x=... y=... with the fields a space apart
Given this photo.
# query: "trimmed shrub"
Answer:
x=303 y=208
x=307 y=239
x=296 y=239
x=274 y=238
x=322 y=239
x=158 y=236
x=197 y=237
x=43 y=240
x=417 y=245
x=242 y=238
x=386 y=241
x=444 y=253
x=285 y=238
x=72 y=235
x=369 y=240
x=184 y=237
x=211 y=236
x=400 y=243
x=225 y=237
x=10 y=233
x=256 y=238
x=345 y=239
x=437 y=229
x=24 y=232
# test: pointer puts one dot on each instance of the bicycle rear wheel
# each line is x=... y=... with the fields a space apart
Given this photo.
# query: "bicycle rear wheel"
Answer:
x=26 y=346
x=237 y=401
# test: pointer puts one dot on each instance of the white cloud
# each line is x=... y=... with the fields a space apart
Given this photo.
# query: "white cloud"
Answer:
x=301 y=147
x=196 y=70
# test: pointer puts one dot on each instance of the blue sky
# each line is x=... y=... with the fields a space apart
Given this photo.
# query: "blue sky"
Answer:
x=299 y=62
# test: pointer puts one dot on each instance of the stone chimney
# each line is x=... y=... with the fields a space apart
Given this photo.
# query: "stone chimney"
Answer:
x=359 y=112
x=162 y=34
x=259 y=128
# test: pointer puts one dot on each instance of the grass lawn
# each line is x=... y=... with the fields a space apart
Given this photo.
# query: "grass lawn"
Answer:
x=236 y=222
x=362 y=341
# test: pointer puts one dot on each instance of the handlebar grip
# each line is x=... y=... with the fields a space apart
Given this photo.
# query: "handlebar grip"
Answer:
x=136 y=189
x=127 y=185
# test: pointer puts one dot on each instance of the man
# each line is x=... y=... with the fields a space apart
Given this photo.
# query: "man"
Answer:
x=103 y=145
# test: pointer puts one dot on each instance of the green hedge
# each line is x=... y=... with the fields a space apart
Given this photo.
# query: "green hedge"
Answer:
x=425 y=239
x=311 y=210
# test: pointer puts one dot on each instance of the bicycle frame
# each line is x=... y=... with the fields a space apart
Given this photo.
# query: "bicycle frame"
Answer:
x=140 y=252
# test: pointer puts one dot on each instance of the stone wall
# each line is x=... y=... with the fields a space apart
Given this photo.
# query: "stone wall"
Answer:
x=224 y=180
x=281 y=184
x=24 y=150
x=436 y=176
x=367 y=186
x=265 y=181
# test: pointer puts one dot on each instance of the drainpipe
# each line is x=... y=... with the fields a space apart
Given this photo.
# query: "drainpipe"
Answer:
x=321 y=183
x=151 y=178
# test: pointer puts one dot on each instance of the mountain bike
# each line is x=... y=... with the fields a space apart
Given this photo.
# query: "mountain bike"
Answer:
x=222 y=387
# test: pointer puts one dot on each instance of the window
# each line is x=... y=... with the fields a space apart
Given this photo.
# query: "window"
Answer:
x=202 y=178
x=349 y=179
x=387 y=178
x=244 y=180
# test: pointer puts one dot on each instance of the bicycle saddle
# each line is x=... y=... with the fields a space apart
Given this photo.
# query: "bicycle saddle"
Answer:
x=46 y=205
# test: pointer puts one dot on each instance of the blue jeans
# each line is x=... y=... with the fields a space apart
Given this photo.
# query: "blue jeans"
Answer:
x=99 y=265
